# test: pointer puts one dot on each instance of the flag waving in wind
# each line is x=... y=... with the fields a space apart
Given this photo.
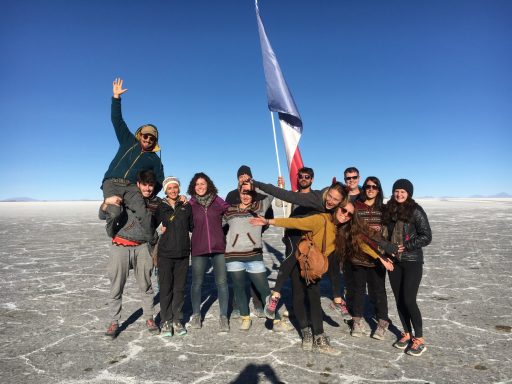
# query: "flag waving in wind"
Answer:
x=280 y=100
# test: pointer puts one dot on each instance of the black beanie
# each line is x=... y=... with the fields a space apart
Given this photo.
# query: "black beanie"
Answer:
x=244 y=170
x=404 y=184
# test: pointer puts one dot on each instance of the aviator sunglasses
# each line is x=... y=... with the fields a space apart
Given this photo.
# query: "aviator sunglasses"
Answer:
x=147 y=136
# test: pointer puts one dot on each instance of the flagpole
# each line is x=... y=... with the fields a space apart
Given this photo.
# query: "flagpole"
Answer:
x=275 y=144
x=277 y=157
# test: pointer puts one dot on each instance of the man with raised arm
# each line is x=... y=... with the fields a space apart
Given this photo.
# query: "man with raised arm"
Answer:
x=136 y=153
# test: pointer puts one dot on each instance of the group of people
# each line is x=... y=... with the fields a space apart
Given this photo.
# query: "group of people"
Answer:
x=360 y=236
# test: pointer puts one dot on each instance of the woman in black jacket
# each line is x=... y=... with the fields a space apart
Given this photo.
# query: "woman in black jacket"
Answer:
x=173 y=257
x=406 y=224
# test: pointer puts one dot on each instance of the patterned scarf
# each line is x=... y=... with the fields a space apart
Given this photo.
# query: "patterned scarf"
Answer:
x=205 y=200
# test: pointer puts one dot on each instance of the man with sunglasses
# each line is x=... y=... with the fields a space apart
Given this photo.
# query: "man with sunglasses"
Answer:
x=351 y=176
x=305 y=177
x=136 y=153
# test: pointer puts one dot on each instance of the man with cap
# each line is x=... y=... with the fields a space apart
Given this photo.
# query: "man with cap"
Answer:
x=233 y=198
x=130 y=250
x=136 y=153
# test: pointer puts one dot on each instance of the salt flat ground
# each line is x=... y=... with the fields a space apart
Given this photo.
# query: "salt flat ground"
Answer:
x=53 y=311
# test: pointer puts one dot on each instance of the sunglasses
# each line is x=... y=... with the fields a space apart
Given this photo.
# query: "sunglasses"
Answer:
x=305 y=177
x=370 y=186
x=147 y=136
x=347 y=178
x=346 y=212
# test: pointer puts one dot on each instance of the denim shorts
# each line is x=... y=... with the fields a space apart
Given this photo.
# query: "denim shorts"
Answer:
x=249 y=266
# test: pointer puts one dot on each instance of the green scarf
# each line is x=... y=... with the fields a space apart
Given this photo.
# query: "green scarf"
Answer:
x=205 y=200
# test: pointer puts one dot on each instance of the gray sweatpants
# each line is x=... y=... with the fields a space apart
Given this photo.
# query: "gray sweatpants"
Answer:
x=119 y=263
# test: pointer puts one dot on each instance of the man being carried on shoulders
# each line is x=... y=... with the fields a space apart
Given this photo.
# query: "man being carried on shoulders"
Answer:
x=136 y=153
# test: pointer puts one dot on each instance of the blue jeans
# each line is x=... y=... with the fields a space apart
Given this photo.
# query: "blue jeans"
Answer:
x=199 y=264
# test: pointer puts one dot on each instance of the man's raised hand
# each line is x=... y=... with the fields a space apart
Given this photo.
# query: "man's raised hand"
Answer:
x=117 y=88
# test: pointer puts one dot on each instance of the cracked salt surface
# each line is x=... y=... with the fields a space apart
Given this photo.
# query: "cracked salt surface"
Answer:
x=53 y=311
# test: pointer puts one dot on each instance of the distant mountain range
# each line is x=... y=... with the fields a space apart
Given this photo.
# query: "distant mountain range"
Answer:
x=29 y=199
x=499 y=195
x=496 y=196
x=14 y=199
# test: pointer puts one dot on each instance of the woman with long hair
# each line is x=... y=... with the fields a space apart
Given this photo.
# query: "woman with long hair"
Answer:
x=362 y=270
x=320 y=225
x=305 y=204
x=406 y=225
x=208 y=245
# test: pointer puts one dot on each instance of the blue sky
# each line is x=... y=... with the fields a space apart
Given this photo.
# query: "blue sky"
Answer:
x=414 y=89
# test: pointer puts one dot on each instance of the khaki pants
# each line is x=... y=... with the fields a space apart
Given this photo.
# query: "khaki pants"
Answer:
x=121 y=260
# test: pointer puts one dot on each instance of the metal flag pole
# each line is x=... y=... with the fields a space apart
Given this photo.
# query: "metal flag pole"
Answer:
x=275 y=143
x=277 y=157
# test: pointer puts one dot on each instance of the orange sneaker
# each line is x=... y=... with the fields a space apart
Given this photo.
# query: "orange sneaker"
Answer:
x=418 y=347
x=403 y=342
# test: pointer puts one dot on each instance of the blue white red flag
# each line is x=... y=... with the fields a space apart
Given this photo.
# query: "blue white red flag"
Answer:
x=280 y=100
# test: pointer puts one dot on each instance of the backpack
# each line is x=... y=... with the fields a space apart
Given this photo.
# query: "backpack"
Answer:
x=312 y=262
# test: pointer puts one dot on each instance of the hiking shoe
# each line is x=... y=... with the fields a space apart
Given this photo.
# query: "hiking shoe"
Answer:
x=259 y=312
x=271 y=306
x=323 y=345
x=418 y=347
x=195 y=322
x=166 y=330
x=235 y=314
x=341 y=309
x=403 y=342
x=282 y=326
x=307 y=339
x=113 y=330
x=380 y=332
x=358 y=328
x=151 y=326
x=179 y=329
x=224 y=324
x=245 y=324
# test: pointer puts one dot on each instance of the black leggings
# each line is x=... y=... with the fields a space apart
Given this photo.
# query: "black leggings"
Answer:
x=375 y=279
x=307 y=297
x=405 y=281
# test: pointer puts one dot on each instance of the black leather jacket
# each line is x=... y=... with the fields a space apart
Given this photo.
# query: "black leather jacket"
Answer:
x=417 y=234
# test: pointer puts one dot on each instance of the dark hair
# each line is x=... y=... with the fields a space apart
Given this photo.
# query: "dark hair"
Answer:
x=394 y=211
x=351 y=170
x=306 y=170
x=210 y=187
x=379 y=199
x=146 y=177
x=348 y=237
x=252 y=193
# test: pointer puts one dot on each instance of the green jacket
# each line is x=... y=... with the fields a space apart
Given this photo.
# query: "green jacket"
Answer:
x=130 y=159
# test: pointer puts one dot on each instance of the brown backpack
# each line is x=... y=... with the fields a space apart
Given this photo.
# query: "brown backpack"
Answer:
x=312 y=262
